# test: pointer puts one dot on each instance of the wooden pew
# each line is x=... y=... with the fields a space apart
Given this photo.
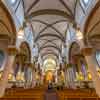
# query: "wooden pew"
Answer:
x=38 y=94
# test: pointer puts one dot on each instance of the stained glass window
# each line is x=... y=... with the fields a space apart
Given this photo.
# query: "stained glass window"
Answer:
x=98 y=57
x=86 y=1
x=2 y=56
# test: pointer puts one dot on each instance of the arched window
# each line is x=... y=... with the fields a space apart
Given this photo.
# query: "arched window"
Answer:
x=85 y=2
x=2 y=56
x=12 y=2
x=98 y=57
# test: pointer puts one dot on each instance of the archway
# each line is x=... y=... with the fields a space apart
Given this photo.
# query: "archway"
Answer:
x=77 y=61
x=25 y=49
x=22 y=64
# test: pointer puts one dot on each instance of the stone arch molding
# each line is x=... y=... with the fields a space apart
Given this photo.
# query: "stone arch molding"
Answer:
x=73 y=49
x=25 y=49
x=91 y=27
x=7 y=27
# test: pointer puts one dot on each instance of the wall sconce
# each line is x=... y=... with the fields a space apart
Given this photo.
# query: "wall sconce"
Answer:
x=1 y=72
x=79 y=34
x=89 y=76
x=21 y=33
x=10 y=77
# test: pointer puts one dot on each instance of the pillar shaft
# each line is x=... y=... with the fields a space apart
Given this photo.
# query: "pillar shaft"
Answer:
x=7 y=69
x=92 y=69
x=92 y=65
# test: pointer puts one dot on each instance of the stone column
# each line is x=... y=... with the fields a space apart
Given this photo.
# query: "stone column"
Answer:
x=79 y=67
x=20 y=57
x=68 y=76
x=33 y=76
x=65 y=73
x=56 y=76
x=7 y=68
x=28 y=74
x=92 y=65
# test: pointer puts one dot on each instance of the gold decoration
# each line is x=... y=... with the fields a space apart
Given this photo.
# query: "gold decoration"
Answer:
x=79 y=76
x=89 y=76
x=1 y=72
x=98 y=72
x=10 y=76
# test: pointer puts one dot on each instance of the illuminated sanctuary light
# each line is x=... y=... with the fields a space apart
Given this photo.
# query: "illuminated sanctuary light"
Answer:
x=21 y=33
x=49 y=64
x=79 y=34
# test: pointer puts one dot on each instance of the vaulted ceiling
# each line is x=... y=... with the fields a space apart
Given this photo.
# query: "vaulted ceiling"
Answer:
x=49 y=20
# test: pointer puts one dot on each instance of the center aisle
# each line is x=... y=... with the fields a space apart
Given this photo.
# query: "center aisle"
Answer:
x=51 y=94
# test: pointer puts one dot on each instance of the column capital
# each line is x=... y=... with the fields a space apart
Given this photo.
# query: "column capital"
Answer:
x=87 y=51
x=12 y=50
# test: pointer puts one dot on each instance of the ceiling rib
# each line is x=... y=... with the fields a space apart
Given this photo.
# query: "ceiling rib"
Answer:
x=49 y=34
x=49 y=25
x=32 y=5
x=75 y=8
x=66 y=6
x=49 y=41
x=50 y=12
x=23 y=7
x=50 y=46
x=49 y=53
x=46 y=41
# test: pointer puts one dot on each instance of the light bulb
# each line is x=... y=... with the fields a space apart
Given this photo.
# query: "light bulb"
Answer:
x=21 y=33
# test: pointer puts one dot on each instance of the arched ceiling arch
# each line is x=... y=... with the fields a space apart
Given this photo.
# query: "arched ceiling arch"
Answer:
x=50 y=12
x=7 y=27
x=50 y=54
x=49 y=35
x=49 y=42
x=50 y=46
x=92 y=28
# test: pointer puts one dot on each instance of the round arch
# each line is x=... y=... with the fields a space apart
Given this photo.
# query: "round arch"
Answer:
x=73 y=50
x=8 y=29
x=24 y=47
x=77 y=59
x=87 y=30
